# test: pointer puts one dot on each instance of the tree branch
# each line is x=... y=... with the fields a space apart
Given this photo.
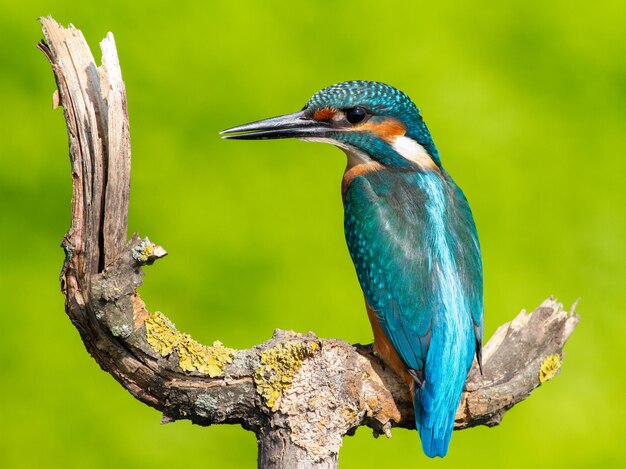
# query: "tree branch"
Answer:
x=299 y=393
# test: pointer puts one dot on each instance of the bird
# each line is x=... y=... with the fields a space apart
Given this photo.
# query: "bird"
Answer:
x=411 y=236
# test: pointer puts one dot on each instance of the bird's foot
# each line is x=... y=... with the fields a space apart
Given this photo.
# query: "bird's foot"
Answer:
x=364 y=349
x=369 y=352
x=418 y=377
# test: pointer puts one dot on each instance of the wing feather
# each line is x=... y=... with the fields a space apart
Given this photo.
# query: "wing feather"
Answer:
x=389 y=234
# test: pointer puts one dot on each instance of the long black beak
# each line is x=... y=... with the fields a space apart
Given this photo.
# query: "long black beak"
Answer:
x=294 y=125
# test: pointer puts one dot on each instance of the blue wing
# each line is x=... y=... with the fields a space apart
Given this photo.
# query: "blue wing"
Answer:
x=414 y=245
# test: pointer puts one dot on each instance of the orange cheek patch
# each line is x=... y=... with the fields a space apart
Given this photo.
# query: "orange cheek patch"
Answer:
x=324 y=114
x=388 y=130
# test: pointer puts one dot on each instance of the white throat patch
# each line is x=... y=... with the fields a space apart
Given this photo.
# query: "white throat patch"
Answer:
x=354 y=156
x=410 y=150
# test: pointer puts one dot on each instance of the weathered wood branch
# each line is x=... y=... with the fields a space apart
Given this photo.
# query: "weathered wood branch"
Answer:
x=299 y=393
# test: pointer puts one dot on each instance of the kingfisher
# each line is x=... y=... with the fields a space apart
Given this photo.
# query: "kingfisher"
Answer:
x=411 y=237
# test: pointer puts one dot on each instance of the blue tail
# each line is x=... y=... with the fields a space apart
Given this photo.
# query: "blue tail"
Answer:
x=435 y=438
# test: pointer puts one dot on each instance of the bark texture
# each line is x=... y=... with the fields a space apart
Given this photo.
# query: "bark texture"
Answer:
x=299 y=393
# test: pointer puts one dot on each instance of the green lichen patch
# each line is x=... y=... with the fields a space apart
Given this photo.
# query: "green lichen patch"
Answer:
x=164 y=338
x=278 y=367
x=549 y=367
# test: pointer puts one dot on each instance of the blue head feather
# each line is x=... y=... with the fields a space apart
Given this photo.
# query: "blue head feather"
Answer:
x=382 y=101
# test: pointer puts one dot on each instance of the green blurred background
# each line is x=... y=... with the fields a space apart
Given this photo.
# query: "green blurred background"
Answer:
x=527 y=103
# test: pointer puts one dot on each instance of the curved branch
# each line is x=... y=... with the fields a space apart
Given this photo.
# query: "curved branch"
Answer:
x=299 y=393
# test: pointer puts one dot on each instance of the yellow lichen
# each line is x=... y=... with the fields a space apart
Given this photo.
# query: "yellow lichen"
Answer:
x=549 y=367
x=193 y=356
x=210 y=360
x=278 y=368
x=146 y=252
x=161 y=333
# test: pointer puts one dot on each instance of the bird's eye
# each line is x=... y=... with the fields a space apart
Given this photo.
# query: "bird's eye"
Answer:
x=355 y=114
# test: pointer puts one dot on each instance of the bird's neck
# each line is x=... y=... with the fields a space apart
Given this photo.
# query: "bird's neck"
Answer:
x=359 y=164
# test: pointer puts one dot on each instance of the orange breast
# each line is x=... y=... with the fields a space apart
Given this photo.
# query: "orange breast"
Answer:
x=355 y=170
x=385 y=350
